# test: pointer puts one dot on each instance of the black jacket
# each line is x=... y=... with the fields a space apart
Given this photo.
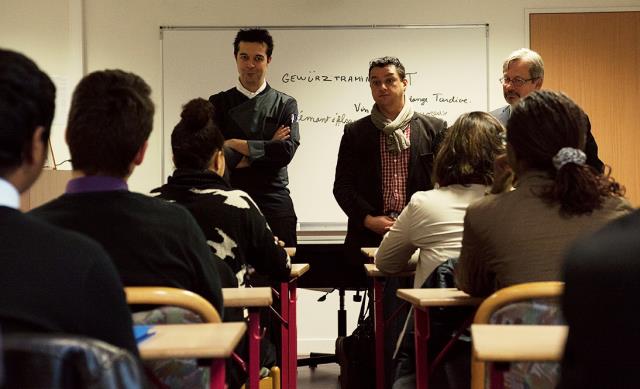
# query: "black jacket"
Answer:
x=358 y=180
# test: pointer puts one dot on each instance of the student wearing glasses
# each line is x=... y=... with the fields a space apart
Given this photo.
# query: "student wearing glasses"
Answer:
x=523 y=73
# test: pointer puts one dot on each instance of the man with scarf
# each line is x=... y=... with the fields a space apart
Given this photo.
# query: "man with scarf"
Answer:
x=261 y=134
x=384 y=158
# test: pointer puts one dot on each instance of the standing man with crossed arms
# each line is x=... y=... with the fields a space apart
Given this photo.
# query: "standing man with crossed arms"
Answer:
x=261 y=134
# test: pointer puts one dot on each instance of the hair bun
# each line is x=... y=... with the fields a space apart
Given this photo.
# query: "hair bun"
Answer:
x=197 y=113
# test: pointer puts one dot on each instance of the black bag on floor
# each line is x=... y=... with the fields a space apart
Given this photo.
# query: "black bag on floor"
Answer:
x=356 y=354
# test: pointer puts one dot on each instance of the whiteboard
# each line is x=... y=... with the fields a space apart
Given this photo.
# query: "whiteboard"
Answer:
x=326 y=69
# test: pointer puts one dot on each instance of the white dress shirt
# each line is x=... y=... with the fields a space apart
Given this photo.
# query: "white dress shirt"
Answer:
x=9 y=196
x=247 y=92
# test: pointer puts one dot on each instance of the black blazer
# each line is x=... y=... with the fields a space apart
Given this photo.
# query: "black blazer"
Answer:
x=358 y=180
x=602 y=308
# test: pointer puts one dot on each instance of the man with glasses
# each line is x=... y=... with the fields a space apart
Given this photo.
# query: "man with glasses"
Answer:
x=523 y=73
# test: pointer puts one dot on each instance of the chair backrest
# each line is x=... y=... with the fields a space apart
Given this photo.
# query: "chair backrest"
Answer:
x=176 y=306
x=165 y=296
x=61 y=361
x=528 y=303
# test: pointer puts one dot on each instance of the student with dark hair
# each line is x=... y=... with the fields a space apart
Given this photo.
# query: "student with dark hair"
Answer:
x=260 y=127
x=521 y=235
x=151 y=242
x=51 y=280
x=433 y=219
x=235 y=229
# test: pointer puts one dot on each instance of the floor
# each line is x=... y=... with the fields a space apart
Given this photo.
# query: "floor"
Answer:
x=322 y=377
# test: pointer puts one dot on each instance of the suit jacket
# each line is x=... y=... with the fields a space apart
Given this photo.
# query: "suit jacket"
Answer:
x=358 y=180
x=57 y=281
x=590 y=147
x=601 y=274
x=516 y=237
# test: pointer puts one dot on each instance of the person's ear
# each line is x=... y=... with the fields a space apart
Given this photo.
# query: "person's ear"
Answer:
x=268 y=60
x=139 y=157
x=538 y=84
x=219 y=163
x=37 y=150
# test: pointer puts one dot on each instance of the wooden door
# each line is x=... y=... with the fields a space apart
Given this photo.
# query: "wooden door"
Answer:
x=594 y=57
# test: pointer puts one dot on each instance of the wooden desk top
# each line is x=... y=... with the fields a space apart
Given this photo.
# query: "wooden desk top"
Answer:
x=510 y=343
x=298 y=269
x=247 y=297
x=207 y=340
x=373 y=271
x=437 y=297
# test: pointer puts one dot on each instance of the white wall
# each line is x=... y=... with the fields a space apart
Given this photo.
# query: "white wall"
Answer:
x=125 y=34
x=50 y=33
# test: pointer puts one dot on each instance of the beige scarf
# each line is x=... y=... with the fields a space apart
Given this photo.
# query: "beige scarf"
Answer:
x=394 y=129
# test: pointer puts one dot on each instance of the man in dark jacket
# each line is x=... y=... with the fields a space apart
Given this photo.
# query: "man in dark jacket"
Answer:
x=384 y=158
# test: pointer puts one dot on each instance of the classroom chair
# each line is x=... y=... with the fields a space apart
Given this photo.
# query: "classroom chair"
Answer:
x=66 y=361
x=528 y=303
x=182 y=306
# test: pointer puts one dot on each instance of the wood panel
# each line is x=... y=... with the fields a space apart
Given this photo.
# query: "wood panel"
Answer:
x=595 y=58
x=50 y=184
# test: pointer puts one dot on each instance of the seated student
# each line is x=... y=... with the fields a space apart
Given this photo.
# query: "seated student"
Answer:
x=51 y=280
x=151 y=242
x=234 y=227
x=601 y=306
x=521 y=235
x=432 y=221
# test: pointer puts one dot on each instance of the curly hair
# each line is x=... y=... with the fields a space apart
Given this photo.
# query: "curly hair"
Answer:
x=195 y=139
x=541 y=124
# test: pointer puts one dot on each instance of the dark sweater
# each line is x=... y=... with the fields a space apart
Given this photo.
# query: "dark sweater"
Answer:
x=235 y=229
x=58 y=281
x=151 y=242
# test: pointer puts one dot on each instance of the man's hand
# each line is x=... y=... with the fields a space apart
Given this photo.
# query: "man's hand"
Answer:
x=282 y=133
x=502 y=175
x=244 y=162
x=239 y=145
x=378 y=224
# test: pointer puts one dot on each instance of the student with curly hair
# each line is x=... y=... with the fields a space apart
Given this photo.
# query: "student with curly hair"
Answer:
x=521 y=235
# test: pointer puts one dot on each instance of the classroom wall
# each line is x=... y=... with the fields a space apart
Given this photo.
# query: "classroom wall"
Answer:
x=124 y=34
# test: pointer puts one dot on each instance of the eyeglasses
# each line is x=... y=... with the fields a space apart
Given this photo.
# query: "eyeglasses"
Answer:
x=517 y=81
